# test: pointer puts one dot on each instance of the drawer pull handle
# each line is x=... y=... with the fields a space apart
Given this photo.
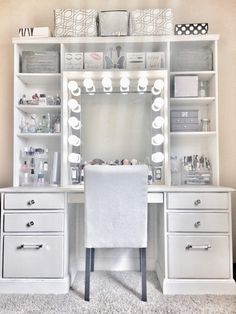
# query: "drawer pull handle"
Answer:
x=29 y=224
x=31 y=202
x=197 y=202
x=198 y=247
x=30 y=246
x=197 y=224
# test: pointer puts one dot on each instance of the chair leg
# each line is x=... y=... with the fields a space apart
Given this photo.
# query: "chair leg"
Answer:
x=87 y=274
x=140 y=260
x=144 y=274
x=92 y=259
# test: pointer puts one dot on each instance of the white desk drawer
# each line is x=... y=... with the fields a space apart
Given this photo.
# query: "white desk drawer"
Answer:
x=198 y=222
x=33 y=257
x=34 y=201
x=198 y=200
x=198 y=257
x=34 y=222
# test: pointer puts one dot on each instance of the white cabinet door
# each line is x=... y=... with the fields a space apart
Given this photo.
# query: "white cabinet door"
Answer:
x=198 y=222
x=198 y=256
x=33 y=257
x=198 y=200
x=34 y=201
x=34 y=222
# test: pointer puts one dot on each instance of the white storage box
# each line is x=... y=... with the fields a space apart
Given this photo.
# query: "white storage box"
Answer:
x=34 y=32
x=40 y=62
x=113 y=23
x=186 y=86
x=135 y=60
x=75 y=23
x=73 y=61
x=155 y=60
x=151 y=22
x=93 y=60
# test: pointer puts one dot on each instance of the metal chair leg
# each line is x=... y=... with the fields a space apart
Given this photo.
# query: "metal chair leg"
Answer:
x=140 y=260
x=87 y=274
x=144 y=274
x=92 y=259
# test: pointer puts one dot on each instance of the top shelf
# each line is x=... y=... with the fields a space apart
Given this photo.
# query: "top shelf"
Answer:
x=117 y=39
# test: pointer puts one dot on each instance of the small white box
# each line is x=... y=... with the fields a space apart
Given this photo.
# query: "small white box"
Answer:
x=186 y=86
x=93 y=60
x=34 y=32
x=73 y=61
x=135 y=60
x=155 y=60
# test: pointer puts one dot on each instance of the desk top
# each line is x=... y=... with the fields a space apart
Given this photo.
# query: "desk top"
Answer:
x=151 y=189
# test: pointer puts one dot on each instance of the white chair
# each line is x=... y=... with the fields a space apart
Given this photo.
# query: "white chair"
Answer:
x=115 y=213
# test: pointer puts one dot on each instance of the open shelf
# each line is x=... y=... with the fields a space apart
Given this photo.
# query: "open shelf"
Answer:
x=40 y=78
x=37 y=108
x=35 y=135
x=203 y=75
x=182 y=134
x=199 y=101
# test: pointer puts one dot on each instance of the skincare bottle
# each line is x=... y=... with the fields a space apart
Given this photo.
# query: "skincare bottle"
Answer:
x=24 y=174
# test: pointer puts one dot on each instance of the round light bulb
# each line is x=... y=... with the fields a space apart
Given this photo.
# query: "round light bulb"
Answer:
x=158 y=157
x=158 y=104
x=88 y=83
x=74 y=88
x=157 y=140
x=157 y=87
x=106 y=82
x=73 y=105
x=124 y=82
x=74 y=140
x=74 y=158
x=143 y=82
x=158 y=122
x=74 y=123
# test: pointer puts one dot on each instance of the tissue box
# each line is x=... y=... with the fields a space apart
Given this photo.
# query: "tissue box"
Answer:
x=155 y=60
x=73 y=61
x=151 y=22
x=75 y=22
x=113 y=23
x=93 y=60
x=135 y=60
x=40 y=62
x=186 y=86
x=34 y=32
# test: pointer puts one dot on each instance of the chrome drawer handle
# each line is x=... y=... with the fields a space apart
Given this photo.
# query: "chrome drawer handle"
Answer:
x=30 y=246
x=197 y=202
x=31 y=202
x=197 y=224
x=29 y=224
x=198 y=247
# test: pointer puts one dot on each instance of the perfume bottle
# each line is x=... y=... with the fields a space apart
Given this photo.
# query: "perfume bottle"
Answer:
x=24 y=174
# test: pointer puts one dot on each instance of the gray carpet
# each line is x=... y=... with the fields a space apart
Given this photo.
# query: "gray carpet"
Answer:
x=116 y=292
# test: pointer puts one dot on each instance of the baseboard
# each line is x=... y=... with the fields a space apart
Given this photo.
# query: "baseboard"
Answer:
x=199 y=286
x=35 y=286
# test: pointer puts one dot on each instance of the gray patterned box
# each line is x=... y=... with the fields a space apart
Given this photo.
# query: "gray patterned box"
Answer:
x=151 y=22
x=75 y=22
x=40 y=62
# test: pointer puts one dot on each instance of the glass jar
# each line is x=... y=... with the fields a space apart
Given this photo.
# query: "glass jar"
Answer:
x=205 y=125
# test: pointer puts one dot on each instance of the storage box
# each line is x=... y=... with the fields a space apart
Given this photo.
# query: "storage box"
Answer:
x=184 y=121
x=191 y=29
x=135 y=60
x=155 y=60
x=151 y=22
x=34 y=32
x=93 y=60
x=73 y=61
x=201 y=177
x=40 y=62
x=186 y=86
x=75 y=22
x=113 y=23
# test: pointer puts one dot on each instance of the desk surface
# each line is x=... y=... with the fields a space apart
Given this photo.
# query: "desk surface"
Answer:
x=151 y=189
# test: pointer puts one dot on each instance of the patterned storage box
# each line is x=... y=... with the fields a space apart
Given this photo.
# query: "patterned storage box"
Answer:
x=113 y=23
x=151 y=22
x=75 y=22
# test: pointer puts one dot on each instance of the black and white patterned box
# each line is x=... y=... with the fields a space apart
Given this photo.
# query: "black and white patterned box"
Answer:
x=191 y=29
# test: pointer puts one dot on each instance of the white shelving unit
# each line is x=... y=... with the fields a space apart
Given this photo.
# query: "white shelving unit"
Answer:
x=179 y=143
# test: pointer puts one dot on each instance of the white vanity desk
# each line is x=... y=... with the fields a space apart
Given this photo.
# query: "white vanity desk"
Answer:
x=190 y=240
